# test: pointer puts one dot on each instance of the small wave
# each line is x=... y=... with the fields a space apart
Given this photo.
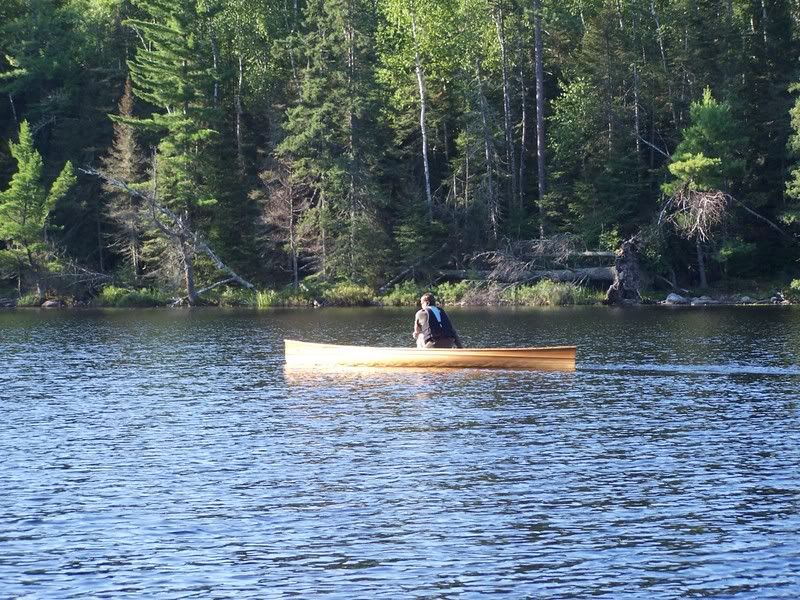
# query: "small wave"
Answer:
x=661 y=369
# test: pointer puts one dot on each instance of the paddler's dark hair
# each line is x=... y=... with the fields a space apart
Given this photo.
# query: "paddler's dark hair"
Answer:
x=429 y=298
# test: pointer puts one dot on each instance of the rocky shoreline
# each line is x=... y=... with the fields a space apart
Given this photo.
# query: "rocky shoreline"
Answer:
x=728 y=300
x=672 y=299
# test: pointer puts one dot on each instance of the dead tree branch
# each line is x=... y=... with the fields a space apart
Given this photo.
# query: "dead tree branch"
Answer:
x=172 y=225
x=696 y=213
x=544 y=258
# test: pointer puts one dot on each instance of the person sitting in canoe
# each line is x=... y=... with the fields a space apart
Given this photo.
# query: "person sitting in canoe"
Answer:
x=432 y=327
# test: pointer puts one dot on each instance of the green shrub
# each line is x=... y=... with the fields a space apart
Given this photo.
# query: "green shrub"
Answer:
x=118 y=297
x=29 y=300
x=737 y=257
x=402 y=294
x=610 y=240
x=348 y=294
x=452 y=293
x=236 y=297
x=550 y=293
x=793 y=292
x=267 y=298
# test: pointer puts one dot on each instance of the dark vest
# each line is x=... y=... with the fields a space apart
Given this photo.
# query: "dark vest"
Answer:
x=435 y=330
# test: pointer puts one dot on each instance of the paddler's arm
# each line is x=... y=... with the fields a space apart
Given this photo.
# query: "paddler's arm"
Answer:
x=417 y=328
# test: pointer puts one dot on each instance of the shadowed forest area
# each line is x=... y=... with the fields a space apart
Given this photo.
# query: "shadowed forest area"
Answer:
x=298 y=151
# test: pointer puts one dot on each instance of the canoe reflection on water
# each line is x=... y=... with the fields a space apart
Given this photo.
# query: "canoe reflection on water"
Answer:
x=305 y=355
x=422 y=383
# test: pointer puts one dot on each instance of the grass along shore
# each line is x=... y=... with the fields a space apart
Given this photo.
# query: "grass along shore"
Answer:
x=542 y=293
x=464 y=293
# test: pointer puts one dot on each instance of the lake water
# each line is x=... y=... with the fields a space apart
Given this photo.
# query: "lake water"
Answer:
x=167 y=454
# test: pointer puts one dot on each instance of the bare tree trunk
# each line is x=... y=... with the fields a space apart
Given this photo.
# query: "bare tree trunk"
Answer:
x=323 y=238
x=133 y=243
x=238 y=101
x=446 y=136
x=764 y=23
x=540 y=148
x=290 y=27
x=701 y=264
x=100 y=246
x=215 y=56
x=293 y=244
x=523 y=143
x=627 y=276
x=510 y=154
x=489 y=154
x=636 y=120
x=619 y=16
x=187 y=259
x=349 y=36
x=422 y=114
x=37 y=275
x=637 y=123
x=660 y=38
x=13 y=110
x=466 y=175
x=134 y=252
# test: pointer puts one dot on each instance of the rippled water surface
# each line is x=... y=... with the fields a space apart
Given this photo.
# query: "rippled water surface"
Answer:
x=168 y=454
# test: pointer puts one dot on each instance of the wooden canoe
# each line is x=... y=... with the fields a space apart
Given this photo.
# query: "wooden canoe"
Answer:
x=305 y=355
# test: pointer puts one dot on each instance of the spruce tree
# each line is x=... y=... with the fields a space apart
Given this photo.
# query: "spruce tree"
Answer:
x=331 y=135
x=124 y=161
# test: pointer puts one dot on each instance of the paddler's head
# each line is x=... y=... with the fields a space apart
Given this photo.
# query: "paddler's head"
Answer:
x=427 y=300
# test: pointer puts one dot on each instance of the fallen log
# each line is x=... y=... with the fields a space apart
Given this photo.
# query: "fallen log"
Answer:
x=577 y=275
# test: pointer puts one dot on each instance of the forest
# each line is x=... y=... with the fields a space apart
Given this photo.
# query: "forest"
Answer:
x=187 y=148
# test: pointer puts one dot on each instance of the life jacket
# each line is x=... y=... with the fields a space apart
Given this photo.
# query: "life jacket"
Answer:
x=438 y=325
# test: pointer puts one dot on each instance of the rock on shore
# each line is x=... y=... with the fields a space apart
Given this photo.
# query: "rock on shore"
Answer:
x=678 y=300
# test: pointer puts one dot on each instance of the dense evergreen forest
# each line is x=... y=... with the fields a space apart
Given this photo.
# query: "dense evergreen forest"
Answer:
x=176 y=144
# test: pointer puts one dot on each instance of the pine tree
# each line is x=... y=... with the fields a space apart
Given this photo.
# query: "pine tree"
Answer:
x=174 y=72
x=24 y=210
x=706 y=164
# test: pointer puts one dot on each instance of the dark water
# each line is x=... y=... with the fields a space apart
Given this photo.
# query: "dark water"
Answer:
x=167 y=454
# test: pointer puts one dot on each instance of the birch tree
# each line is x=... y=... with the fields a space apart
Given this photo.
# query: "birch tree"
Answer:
x=417 y=42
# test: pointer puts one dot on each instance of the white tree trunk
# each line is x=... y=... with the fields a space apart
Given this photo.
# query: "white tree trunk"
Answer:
x=523 y=142
x=238 y=99
x=660 y=38
x=488 y=148
x=422 y=114
x=510 y=153
x=540 y=135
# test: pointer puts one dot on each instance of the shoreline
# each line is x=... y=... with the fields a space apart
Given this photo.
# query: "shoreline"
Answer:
x=544 y=293
x=697 y=303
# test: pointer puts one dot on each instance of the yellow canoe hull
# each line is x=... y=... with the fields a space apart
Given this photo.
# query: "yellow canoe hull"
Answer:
x=306 y=354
